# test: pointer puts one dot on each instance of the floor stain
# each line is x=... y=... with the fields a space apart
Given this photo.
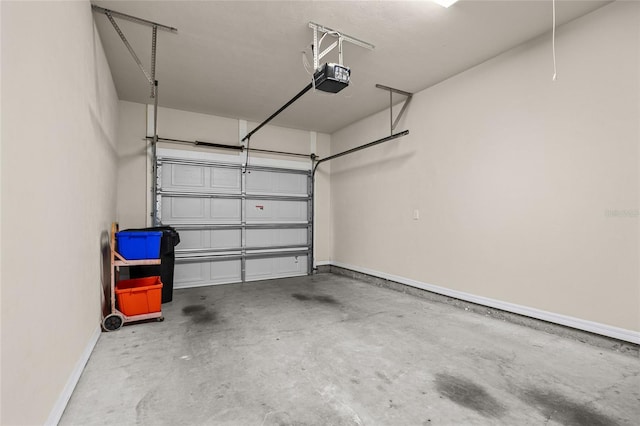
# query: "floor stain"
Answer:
x=318 y=298
x=301 y=296
x=200 y=314
x=205 y=317
x=468 y=394
x=326 y=299
x=192 y=309
x=557 y=407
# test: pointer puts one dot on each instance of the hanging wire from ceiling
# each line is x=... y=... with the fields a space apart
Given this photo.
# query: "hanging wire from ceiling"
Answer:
x=553 y=42
x=305 y=63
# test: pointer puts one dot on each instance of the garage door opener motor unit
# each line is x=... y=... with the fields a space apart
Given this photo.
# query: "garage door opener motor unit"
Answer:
x=332 y=78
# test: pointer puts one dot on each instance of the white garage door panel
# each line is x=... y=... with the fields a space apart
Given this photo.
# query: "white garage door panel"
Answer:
x=276 y=183
x=200 y=178
x=189 y=274
x=260 y=211
x=192 y=239
x=234 y=226
x=275 y=267
x=200 y=210
x=186 y=176
x=226 y=179
x=225 y=210
x=225 y=238
x=207 y=272
x=182 y=208
x=198 y=239
x=276 y=237
x=225 y=271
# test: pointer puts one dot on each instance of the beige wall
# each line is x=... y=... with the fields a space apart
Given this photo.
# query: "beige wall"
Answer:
x=133 y=181
x=323 y=234
x=59 y=114
x=513 y=176
x=132 y=148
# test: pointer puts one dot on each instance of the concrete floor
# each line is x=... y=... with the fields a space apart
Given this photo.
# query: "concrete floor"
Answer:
x=330 y=350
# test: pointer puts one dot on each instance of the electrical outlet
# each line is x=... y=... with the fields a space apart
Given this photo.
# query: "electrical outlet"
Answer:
x=416 y=214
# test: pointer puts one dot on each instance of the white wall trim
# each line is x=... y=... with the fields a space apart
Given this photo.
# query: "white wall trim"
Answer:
x=63 y=399
x=325 y=263
x=577 y=323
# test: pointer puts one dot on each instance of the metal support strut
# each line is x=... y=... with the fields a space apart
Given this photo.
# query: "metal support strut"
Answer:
x=133 y=53
x=151 y=78
x=133 y=18
x=394 y=123
x=154 y=158
x=154 y=38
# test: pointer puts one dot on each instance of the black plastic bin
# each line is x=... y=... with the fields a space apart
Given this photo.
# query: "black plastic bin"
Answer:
x=170 y=239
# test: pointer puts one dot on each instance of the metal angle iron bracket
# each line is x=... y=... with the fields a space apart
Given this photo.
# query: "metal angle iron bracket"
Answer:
x=317 y=54
x=391 y=90
x=110 y=14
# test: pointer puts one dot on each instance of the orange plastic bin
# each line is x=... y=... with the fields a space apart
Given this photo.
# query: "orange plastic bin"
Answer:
x=139 y=296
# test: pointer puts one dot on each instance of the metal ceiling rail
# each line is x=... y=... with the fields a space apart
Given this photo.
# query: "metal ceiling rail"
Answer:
x=271 y=117
x=275 y=114
x=360 y=148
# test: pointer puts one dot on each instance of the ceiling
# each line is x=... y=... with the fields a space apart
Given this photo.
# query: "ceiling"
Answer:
x=242 y=59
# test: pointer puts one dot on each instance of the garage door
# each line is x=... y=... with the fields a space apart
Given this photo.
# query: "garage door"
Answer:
x=235 y=226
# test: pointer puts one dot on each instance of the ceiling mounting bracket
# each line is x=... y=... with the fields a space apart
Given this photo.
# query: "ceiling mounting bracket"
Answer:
x=317 y=55
x=391 y=91
x=151 y=77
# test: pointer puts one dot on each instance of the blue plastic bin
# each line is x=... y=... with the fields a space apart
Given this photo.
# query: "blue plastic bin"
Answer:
x=134 y=245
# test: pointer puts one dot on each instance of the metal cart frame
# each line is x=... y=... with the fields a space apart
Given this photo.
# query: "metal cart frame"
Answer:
x=115 y=319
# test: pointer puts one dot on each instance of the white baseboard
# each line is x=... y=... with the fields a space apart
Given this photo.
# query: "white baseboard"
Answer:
x=63 y=399
x=577 y=323
x=323 y=263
